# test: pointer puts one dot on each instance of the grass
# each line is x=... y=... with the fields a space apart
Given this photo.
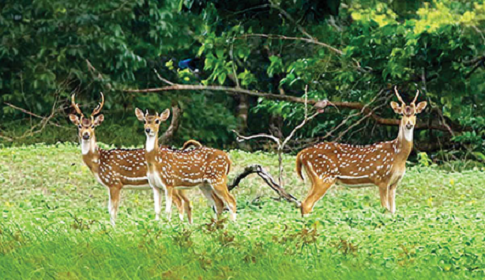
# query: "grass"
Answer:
x=54 y=224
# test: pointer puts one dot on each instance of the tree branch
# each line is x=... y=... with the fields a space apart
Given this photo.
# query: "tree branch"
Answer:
x=31 y=114
x=167 y=136
x=289 y=98
x=282 y=37
x=241 y=138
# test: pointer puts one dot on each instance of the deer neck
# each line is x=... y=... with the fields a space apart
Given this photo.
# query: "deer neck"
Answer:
x=90 y=153
x=405 y=140
x=151 y=145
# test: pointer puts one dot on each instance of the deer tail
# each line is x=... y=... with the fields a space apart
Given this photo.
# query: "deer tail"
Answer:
x=191 y=142
x=229 y=167
x=299 y=164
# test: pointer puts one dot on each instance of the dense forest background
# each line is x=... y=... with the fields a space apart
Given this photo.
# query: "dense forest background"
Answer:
x=351 y=53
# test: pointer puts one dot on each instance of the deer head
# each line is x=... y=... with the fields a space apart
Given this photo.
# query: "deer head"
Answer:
x=85 y=125
x=152 y=122
x=408 y=113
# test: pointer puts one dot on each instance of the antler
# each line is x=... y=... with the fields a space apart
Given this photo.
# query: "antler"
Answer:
x=76 y=106
x=398 y=96
x=416 y=97
x=99 y=107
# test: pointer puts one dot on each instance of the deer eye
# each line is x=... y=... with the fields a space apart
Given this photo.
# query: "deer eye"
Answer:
x=92 y=126
x=157 y=121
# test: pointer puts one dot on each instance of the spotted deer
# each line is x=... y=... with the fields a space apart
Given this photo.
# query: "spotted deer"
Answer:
x=168 y=169
x=118 y=168
x=381 y=164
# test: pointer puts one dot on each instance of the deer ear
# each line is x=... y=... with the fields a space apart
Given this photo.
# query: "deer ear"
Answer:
x=164 y=116
x=74 y=119
x=395 y=106
x=98 y=120
x=421 y=106
x=139 y=114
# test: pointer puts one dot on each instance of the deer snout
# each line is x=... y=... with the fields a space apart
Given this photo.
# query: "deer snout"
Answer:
x=86 y=136
x=147 y=130
x=409 y=125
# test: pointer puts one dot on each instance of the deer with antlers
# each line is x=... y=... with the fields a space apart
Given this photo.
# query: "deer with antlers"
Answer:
x=381 y=164
x=168 y=169
x=118 y=169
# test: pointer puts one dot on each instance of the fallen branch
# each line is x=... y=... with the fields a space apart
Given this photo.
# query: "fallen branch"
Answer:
x=268 y=179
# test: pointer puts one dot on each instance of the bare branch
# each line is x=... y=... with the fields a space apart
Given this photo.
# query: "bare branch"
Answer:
x=305 y=120
x=268 y=179
x=282 y=37
x=174 y=125
x=241 y=138
x=364 y=109
x=480 y=63
x=6 y=138
x=162 y=79
x=94 y=70
x=357 y=123
x=288 y=98
x=290 y=18
x=31 y=114
x=231 y=53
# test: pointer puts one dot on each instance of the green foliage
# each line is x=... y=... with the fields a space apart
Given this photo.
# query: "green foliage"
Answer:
x=360 y=49
x=54 y=224
x=48 y=52
x=428 y=46
x=424 y=160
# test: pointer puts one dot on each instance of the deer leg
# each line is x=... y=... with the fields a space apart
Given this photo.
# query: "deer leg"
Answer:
x=392 y=198
x=214 y=200
x=187 y=204
x=383 y=192
x=220 y=189
x=317 y=191
x=168 y=201
x=179 y=203
x=157 y=201
x=114 y=202
x=219 y=204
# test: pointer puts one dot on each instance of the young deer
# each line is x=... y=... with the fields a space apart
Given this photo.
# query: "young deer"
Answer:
x=169 y=169
x=118 y=168
x=381 y=164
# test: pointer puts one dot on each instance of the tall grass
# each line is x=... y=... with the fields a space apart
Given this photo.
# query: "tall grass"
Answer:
x=54 y=224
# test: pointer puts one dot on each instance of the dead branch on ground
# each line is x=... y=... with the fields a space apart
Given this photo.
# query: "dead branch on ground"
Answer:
x=268 y=179
x=282 y=143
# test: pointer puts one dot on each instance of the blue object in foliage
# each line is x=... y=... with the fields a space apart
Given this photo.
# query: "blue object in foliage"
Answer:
x=191 y=63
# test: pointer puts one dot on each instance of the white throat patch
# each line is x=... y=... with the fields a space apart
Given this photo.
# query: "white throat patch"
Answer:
x=150 y=145
x=408 y=134
x=86 y=146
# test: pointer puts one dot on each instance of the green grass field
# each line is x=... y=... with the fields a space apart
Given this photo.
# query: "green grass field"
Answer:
x=54 y=223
